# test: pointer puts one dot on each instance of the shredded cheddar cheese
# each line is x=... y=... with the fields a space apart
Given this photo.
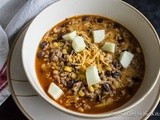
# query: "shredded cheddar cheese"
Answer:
x=91 y=55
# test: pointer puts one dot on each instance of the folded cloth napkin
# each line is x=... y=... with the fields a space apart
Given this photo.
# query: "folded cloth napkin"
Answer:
x=28 y=11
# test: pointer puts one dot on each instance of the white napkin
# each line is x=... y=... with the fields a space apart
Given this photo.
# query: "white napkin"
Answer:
x=3 y=56
x=29 y=10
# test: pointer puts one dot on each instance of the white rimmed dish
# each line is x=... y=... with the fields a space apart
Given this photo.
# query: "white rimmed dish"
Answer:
x=114 y=9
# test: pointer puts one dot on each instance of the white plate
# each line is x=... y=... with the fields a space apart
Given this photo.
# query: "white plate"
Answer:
x=35 y=107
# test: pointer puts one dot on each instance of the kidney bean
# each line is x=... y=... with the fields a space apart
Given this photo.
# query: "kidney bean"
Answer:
x=116 y=64
x=59 y=36
x=100 y=20
x=70 y=84
x=43 y=44
x=84 y=18
x=40 y=54
x=105 y=87
x=115 y=74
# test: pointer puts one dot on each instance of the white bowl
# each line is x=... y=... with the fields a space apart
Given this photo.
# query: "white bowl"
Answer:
x=114 y=9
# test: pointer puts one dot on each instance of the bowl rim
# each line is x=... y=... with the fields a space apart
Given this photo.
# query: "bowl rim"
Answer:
x=110 y=113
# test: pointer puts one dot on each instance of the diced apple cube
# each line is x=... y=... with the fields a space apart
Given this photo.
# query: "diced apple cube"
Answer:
x=126 y=58
x=92 y=75
x=69 y=36
x=109 y=47
x=78 y=44
x=55 y=91
x=98 y=35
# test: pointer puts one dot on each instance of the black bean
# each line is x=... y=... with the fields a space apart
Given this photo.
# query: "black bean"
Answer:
x=59 y=36
x=117 y=25
x=100 y=20
x=70 y=84
x=40 y=54
x=83 y=85
x=50 y=54
x=116 y=64
x=84 y=18
x=136 y=80
x=98 y=98
x=105 y=87
x=108 y=73
x=64 y=24
x=115 y=74
x=43 y=44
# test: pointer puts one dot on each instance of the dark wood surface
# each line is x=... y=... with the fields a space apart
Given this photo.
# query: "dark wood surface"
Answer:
x=150 y=8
